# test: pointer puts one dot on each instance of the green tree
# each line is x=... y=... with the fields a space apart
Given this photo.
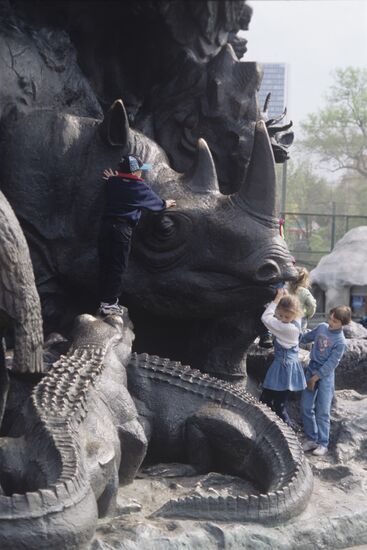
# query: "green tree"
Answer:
x=337 y=134
x=350 y=196
x=309 y=198
x=306 y=190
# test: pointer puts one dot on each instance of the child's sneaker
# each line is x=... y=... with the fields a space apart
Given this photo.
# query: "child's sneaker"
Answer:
x=110 y=309
x=320 y=450
x=309 y=446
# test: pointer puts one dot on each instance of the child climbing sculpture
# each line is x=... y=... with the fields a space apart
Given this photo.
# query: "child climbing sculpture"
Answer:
x=126 y=195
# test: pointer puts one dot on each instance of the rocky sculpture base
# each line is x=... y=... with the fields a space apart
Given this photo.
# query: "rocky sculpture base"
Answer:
x=336 y=516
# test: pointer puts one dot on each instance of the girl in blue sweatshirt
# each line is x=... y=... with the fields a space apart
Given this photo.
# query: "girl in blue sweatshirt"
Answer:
x=327 y=350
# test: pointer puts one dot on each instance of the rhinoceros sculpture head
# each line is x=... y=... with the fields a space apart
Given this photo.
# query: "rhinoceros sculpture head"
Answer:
x=213 y=255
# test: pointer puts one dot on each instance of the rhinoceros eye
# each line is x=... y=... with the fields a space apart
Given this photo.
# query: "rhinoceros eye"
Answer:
x=161 y=239
x=163 y=229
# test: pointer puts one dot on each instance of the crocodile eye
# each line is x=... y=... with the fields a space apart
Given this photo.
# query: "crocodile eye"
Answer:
x=161 y=239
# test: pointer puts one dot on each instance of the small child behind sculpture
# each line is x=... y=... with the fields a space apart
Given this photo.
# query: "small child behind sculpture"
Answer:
x=283 y=318
x=327 y=350
x=300 y=288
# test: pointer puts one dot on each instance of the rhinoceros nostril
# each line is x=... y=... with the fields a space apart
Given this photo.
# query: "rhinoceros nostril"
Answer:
x=268 y=271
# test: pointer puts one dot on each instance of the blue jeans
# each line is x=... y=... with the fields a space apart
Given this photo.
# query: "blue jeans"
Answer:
x=315 y=409
x=114 y=245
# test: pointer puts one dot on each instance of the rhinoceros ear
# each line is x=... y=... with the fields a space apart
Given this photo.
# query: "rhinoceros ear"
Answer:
x=115 y=129
x=203 y=177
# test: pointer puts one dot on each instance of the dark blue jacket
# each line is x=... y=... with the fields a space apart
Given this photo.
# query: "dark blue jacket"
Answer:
x=126 y=196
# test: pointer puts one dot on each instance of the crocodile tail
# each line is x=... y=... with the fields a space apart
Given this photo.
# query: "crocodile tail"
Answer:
x=272 y=507
x=276 y=448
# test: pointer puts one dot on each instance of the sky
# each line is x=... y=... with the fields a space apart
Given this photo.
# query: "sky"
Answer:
x=313 y=37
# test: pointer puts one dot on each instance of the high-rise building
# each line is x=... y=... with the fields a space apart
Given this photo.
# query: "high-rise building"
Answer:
x=275 y=81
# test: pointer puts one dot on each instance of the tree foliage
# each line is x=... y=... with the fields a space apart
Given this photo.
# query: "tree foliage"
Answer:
x=306 y=190
x=311 y=202
x=338 y=132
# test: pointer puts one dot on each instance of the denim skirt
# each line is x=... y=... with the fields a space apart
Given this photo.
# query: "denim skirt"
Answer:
x=285 y=372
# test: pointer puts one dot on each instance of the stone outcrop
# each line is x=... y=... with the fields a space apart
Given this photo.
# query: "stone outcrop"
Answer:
x=344 y=267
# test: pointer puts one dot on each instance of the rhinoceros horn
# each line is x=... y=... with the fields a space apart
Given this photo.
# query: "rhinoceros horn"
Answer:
x=115 y=129
x=203 y=177
x=257 y=193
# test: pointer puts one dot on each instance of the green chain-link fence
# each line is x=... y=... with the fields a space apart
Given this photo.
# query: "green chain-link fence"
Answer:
x=310 y=236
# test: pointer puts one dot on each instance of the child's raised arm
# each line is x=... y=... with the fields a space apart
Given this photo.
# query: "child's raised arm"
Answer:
x=310 y=305
x=279 y=295
x=276 y=327
x=308 y=336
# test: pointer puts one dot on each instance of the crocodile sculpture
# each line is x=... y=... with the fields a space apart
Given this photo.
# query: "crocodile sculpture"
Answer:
x=89 y=421
x=218 y=426
x=61 y=460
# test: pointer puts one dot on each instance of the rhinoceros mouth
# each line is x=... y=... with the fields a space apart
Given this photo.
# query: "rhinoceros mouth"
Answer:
x=235 y=279
x=216 y=281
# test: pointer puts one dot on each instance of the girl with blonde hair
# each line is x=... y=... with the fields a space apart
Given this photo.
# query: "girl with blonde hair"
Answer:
x=283 y=318
x=300 y=288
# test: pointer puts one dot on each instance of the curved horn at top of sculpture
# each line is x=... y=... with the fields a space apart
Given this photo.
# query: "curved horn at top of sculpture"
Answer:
x=226 y=64
x=266 y=104
x=115 y=129
x=257 y=193
x=247 y=72
x=203 y=178
x=224 y=60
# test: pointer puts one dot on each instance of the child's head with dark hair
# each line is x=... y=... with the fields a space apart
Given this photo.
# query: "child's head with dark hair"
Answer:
x=288 y=309
x=343 y=314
